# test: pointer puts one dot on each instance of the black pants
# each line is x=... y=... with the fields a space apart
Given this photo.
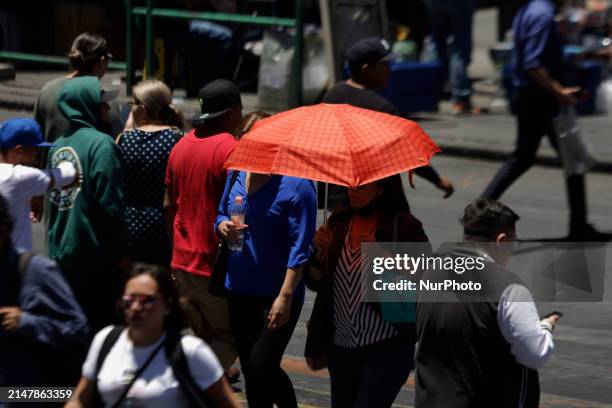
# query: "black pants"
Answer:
x=261 y=350
x=370 y=376
x=96 y=288
x=535 y=113
x=158 y=252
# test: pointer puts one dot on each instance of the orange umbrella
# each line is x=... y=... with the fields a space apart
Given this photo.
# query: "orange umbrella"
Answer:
x=338 y=144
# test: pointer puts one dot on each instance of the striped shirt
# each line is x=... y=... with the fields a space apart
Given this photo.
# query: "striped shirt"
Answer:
x=357 y=324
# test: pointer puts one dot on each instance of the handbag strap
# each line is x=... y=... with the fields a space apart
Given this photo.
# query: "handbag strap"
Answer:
x=138 y=373
x=233 y=179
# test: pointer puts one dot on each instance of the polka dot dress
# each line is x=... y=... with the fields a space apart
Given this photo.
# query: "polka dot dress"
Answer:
x=145 y=159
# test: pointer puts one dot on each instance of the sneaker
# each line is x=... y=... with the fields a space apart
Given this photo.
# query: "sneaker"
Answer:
x=588 y=233
x=465 y=108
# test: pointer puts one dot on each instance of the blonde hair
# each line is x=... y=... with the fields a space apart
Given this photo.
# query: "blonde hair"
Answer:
x=156 y=98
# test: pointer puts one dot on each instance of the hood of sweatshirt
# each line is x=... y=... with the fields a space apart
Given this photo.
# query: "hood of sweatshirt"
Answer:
x=79 y=102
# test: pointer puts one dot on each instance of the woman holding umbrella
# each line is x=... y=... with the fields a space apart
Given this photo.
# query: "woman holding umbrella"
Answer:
x=264 y=279
x=368 y=358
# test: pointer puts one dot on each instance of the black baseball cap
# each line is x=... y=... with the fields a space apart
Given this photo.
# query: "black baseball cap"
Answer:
x=217 y=98
x=367 y=51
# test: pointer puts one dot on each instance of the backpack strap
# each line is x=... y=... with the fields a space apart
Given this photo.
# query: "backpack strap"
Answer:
x=109 y=342
x=180 y=368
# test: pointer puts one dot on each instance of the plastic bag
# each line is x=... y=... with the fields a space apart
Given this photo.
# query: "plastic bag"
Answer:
x=604 y=97
x=276 y=84
x=575 y=153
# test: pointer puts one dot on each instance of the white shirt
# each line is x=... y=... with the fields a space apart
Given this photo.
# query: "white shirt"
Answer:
x=519 y=323
x=157 y=386
x=18 y=184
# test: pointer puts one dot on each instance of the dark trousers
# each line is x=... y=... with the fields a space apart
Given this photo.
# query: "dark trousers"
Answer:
x=96 y=288
x=158 y=252
x=370 y=376
x=261 y=350
x=454 y=19
x=535 y=113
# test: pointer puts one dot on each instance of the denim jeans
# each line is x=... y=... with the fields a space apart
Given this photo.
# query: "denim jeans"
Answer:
x=453 y=19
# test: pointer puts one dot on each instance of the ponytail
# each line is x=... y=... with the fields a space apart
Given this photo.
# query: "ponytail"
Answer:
x=173 y=117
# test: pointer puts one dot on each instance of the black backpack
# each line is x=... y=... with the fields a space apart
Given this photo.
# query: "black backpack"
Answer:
x=176 y=358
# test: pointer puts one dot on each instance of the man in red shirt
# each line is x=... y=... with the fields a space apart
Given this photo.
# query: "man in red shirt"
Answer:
x=195 y=179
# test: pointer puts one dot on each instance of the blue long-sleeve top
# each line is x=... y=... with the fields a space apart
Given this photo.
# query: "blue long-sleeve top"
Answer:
x=537 y=41
x=50 y=317
x=281 y=218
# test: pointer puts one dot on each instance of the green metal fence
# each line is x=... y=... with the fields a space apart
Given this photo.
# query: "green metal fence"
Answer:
x=149 y=12
x=48 y=59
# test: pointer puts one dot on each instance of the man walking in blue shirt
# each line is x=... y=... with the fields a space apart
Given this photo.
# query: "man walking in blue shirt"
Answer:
x=538 y=63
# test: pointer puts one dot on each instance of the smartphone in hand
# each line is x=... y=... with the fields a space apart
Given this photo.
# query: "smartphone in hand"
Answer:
x=555 y=313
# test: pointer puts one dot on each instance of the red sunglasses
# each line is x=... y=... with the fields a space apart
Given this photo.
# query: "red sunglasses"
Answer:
x=146 y=301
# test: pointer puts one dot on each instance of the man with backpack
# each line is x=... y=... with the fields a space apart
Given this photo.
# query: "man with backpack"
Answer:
x=38 y=313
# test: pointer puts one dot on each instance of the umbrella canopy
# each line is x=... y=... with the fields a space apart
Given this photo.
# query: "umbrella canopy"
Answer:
x=338 y=144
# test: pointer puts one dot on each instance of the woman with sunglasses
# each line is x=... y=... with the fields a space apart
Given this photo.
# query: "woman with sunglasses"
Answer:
x=157 y=127
x=369 y=359
x=136 y=371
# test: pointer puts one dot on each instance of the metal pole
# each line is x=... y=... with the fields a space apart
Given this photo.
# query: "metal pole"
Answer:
x=298 y=57
x=149 y=40
x=129 y=51
x=213 y=16
x=325 y=204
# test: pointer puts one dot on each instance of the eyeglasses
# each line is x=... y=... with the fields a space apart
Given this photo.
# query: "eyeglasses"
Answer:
x=145 y=301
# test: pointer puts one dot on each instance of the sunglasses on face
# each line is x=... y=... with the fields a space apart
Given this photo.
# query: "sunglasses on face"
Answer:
x=145 y=301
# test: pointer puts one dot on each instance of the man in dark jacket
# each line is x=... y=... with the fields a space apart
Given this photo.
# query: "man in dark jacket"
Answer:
x=38 y=313
x=482 y=353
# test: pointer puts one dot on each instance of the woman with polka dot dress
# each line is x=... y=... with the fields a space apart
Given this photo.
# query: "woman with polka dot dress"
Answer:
x=153 y=129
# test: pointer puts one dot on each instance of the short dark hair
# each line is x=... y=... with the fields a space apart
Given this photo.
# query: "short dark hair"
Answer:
x=486 y=218
x=86 y=51
x=6 y=219
x=175 y=321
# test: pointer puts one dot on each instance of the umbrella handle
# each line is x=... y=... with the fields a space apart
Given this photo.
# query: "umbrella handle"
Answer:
x=325 y=207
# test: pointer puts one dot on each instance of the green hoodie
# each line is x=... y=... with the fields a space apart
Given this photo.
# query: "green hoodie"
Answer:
x=87 y=221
